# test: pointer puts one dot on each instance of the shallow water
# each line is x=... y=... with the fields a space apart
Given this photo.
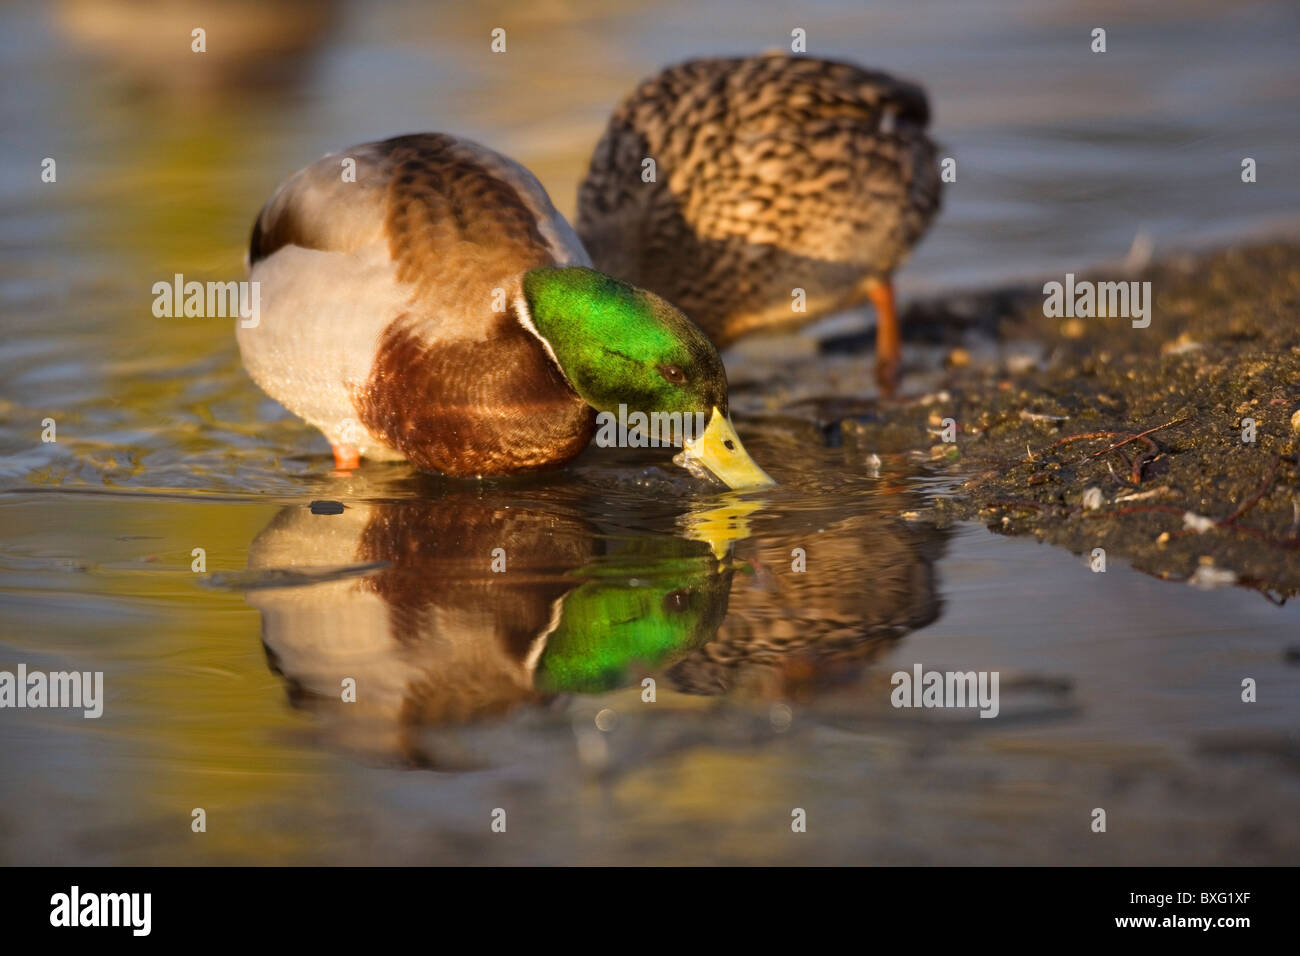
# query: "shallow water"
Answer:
x=480 y=689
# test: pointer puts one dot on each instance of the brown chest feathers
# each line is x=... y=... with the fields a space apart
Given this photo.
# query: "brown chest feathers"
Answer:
x=487 y=407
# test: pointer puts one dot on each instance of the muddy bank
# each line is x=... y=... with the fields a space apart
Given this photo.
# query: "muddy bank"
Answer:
x=1174 y=447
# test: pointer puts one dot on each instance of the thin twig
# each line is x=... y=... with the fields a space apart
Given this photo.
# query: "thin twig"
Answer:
x=1012 y=503
x=1263 y=490
x=1073 y=438
x=1140 y=435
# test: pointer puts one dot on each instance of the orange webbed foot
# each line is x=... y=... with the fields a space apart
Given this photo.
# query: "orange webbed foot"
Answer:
x=889 y=339
x=889 y=373
x=346 y=458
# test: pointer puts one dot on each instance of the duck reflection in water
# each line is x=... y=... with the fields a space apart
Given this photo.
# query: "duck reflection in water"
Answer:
x=865 y=580
x=463 y=608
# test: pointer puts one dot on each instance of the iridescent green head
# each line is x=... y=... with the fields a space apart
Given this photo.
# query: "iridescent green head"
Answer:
x=622 y=346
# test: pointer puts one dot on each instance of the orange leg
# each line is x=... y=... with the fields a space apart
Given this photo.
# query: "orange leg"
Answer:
x=889 y=340
x=346 y=458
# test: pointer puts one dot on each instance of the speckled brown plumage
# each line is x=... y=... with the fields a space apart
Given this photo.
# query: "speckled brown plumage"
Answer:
x=773 y=172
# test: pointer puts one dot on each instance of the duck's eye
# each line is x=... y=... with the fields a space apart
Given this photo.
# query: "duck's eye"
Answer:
x=673 y=373
x=677 y=601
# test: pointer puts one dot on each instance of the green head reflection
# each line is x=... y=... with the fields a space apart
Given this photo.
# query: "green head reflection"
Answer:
x=638 y=615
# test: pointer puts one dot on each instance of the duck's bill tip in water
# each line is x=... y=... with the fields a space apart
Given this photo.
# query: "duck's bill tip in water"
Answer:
x=720 y=452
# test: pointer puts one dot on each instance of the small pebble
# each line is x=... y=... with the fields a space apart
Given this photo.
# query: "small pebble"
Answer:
x=1208 y=578
x=781 y=717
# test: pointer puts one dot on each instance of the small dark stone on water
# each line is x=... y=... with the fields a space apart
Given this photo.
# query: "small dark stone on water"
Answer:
x=1292 y=654
x=327 y=507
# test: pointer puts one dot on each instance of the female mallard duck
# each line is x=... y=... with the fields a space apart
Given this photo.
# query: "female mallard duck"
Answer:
x=420 y=298
x=772 y=173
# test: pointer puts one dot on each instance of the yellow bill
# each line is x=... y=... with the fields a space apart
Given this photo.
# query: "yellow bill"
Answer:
x=720 y=451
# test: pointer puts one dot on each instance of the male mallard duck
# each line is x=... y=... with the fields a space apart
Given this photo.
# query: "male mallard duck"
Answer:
x=772 y=173
x=420 y=298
